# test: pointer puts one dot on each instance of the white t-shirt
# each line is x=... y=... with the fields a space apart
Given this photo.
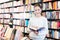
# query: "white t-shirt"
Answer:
x=38 y=22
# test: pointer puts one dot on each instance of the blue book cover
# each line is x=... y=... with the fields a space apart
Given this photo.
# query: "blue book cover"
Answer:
x=48 y=15
x=37 y=29
x=52 y=33
x=26 y=22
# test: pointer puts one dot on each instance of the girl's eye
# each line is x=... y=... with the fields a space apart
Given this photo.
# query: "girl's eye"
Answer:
x=38 y=9
x=35 y=10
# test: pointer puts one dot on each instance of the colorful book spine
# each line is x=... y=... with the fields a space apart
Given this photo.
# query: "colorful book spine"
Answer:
x=48 y=15
x=36 y=1
x=55 y=5
x=52 y=33
x=26 y=22
x=57 y=15
x=32 y=1
x=39 y=0
x=56 y=35
x=26 y=1
x=58 y=4
x=44 y=6
x=50 y=5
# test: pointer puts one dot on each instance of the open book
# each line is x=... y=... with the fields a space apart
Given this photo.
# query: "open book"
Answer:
x=37 y=29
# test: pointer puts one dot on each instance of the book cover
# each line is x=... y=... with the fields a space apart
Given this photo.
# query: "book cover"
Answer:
x=21 y=2
x=14 y=3
x=15 y=10
x=39 y=0
x=48 y=15
x=2 y=5
x=56 y=34
x=22 y=23
x=49 y=24
x=44 y=6
x=58 y=4
x=36 y=29
x=32 y=14
x=26 y=22
x=17 y=22
x=16 y=15
x=18 y=2
x=7 y=10
x=50 y=5
x=52 y=33
x=36 y=1
x=57 y=15
x=21 y=9
x=7 y=15
x=53 y=15
x=55 y=5
x=11 y=9
x=6 y=21
x=32 y=8
x=8 y=33
x=46 y=0
x=28 y=15
x=32 y=1
x=54 y=25
x=26 y=1
x=2 y=10
x=9 y=4
x=1 y=15
x=58 y=24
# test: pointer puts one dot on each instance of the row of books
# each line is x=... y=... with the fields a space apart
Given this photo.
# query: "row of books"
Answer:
x=10 y=4
x=54 y=24
x=51 y=24
x=54 y=34
x=18 y=15
x=18 y=9
x=48 y=15
x=52 y=15
x=20 y=2
x=11 y=33
x=47 y=0
x=20 y=22
x=54 y=5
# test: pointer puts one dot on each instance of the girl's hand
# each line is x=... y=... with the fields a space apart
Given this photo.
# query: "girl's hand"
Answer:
x=36 y=32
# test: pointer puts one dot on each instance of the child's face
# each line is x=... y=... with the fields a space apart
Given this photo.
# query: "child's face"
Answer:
x=37 y=10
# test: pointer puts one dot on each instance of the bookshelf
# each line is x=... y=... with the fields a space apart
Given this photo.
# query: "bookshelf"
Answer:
x=17 y=10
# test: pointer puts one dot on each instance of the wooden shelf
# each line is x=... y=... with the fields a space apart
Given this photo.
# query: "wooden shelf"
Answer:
x=6 y=2
x=54 y=29
x=50 y=10
x=4 y=18
x=53 y=19
x=51 y=1
x=52 y=38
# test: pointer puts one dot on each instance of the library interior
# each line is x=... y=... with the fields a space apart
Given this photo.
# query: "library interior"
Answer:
x=16 y=17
